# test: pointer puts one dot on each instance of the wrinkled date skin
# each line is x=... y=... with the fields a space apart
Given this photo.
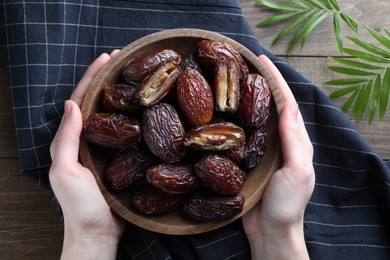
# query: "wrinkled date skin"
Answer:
x=163 y=132
x=144 y=65
x=153 y=201
x=215 y=137
x=236 y=154
x=212 y=52
x=119 y=98
x=227 y=86
x=255 y=147
x=195 y=97
x=112 y=130
x=208 y=207
x=128 y=167
x=190 y=63
x=220 y=174
x=156 y=86
x=255 y=101
x=173 y=178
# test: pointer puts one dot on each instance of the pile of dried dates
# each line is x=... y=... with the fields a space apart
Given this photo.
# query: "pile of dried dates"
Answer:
x=186 y=130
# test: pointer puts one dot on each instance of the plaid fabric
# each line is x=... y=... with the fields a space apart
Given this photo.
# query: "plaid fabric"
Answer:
x=50 y=44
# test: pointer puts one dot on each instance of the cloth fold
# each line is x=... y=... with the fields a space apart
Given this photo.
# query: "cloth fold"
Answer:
x=48 y=47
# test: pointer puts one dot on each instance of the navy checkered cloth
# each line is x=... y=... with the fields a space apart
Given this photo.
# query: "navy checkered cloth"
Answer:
x=50 y=44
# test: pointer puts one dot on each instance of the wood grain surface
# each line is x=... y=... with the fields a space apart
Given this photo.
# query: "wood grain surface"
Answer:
x=29 y=225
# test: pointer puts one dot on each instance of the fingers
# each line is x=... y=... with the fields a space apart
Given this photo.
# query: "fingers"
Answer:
x=66 y=142
x=291 y=138
x=65 y=146
x=295 y=141
x=79 y=92
x=114 y=52
x=284 y=89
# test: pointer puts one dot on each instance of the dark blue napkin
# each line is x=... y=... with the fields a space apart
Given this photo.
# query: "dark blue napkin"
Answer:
x=48 y=47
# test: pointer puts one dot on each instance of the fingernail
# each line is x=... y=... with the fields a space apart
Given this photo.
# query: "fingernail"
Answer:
x=67 y=108
x=104 y=54
x=114 y=52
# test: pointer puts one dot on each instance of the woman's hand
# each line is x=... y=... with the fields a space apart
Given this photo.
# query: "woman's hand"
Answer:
x=92 y=230
x=275 y=226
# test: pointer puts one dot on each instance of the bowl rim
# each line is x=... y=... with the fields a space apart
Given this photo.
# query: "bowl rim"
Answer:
x=115 y=61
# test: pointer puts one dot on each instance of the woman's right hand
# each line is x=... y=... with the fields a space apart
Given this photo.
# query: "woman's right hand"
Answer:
x=274 y=226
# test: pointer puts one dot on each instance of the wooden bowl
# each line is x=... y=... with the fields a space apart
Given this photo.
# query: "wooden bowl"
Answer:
x=96 y=159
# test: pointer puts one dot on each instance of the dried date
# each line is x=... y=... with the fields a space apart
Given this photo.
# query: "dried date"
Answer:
x=236 y=154
x=206 y=207
x=190 y=63
x=140 y=67
x=156 y=86
x=195 y=97
x=255 y=147
x=173 y=178
x=128 y=167
x=227 y=86
x=112 y=130
x=220 y=174
x=211 y=53
x=255 y=101
x=215 y=137
x=153 y=201
x=119 y=98
x=163 y=132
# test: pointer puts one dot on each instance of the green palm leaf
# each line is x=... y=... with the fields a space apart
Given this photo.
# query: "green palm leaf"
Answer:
x=327 y=4
x=370 y=47
x=374 y=99
x=300 y=34
x=337 y=30
x=366 y=56
x=365 y=75
x=351 y=71
x=350 y=101
x=379 y=37
x=308 y=15
x=335 y=5
x=342 y=92
x=369 y=84
x=278 y=18
x=310 y=28
x=279 y=6
x=387 y=31
x=362 y=100
x=357 y=64
x=350 y=22
x=302 y=3
x=315 y=4
x=384 y=94
x=345 y=81
x=291 y=26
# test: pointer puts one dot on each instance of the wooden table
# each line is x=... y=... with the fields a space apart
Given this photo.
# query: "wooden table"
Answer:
x=29 y=225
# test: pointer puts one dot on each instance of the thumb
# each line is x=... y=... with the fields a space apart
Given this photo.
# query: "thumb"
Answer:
x=65 y=146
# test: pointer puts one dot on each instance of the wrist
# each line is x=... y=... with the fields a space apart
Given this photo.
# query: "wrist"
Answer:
x=279 y=242
x=89 y=246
